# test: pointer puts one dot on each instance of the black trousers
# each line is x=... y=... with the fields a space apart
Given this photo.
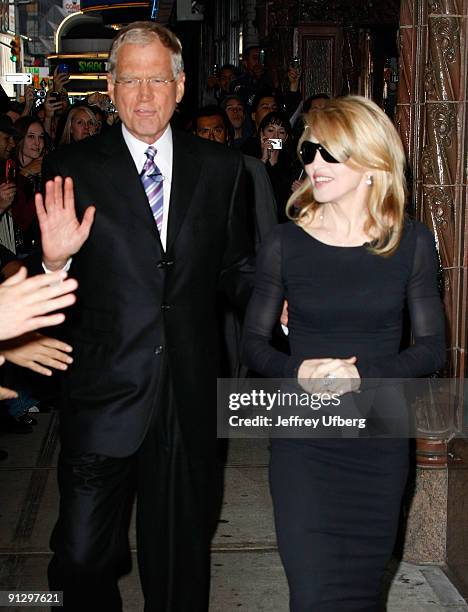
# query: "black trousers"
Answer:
x=336 y=505
x=90 y=539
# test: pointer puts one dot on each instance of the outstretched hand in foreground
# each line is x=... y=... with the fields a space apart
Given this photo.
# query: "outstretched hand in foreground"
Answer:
x=26 y=302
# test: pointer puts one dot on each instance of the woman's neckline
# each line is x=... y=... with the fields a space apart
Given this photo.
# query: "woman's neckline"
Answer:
x=333 y=246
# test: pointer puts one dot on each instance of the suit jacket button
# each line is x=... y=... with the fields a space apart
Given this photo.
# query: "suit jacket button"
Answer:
x=158 y=350
x=165 y=307
x=164 y=263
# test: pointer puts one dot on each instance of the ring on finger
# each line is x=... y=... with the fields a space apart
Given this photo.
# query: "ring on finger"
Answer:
x=327 y=381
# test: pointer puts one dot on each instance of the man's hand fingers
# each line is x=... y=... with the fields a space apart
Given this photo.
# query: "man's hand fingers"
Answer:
x=69 y=197
x=58 y=192
x=86 y=224
x=40 y=208
x=49 y=201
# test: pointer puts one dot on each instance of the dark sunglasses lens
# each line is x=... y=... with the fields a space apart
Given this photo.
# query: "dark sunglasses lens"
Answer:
x=328 y=157
x=309 y=150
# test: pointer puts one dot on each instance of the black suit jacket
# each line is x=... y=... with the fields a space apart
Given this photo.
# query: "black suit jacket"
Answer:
x=137 y=304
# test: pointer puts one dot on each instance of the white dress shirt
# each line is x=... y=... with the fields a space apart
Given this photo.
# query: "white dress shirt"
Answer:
x=163 y=160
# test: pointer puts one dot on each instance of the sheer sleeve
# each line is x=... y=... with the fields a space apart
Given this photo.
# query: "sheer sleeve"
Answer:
x=428 y=352
x=263 y=314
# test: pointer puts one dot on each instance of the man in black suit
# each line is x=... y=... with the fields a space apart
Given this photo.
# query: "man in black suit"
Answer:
x=139 y=401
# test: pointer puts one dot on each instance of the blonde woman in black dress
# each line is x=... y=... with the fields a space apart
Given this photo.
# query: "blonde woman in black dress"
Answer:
x=347 y=265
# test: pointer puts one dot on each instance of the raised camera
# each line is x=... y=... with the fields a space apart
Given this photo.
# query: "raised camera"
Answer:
x=39 y=94
x=276 y=143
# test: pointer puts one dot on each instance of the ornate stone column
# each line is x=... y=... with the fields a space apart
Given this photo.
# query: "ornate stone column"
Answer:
x=431 y=118
x=431 y=115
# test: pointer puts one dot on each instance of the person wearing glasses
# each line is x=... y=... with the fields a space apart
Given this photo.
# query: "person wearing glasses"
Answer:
x=151 y=222
x=347 y=264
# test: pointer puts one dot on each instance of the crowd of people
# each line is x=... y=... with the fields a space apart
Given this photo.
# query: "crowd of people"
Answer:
x=242 y=108
x=173 y=237
x=28 y=132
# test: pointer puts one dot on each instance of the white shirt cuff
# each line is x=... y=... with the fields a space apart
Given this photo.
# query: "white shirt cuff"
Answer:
x=65 y=268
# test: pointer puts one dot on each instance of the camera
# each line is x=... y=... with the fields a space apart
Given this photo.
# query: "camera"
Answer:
x=54 y=96
x=39 y=96
x=276 y=143
x=109 y=106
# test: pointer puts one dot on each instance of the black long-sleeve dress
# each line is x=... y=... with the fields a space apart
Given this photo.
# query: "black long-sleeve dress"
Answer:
x=337 y=501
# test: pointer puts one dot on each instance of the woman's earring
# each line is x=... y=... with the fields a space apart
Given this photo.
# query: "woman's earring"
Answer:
x=369 y=180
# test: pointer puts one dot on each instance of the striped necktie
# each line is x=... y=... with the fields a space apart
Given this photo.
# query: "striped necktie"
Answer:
x=152 y=181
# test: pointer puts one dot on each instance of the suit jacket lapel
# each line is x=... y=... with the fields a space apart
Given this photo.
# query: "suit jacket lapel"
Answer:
x=118 y=171
x=186 y=166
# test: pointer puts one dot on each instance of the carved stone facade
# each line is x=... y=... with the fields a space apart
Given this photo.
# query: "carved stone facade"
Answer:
x=431 y=115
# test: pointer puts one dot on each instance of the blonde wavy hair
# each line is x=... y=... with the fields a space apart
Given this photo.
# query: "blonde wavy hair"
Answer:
x=358 y=133
x=66 y=137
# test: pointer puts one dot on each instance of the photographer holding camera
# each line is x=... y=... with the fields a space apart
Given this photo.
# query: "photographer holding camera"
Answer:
x=274 y=134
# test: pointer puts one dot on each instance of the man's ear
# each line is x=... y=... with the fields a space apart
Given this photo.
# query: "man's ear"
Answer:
x=110 y=86
x=180 y=84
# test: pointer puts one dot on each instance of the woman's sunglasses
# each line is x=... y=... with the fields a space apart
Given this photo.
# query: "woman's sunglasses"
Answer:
x=309 y=150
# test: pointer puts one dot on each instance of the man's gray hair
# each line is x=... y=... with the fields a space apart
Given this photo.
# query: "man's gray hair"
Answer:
x=144 y=33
